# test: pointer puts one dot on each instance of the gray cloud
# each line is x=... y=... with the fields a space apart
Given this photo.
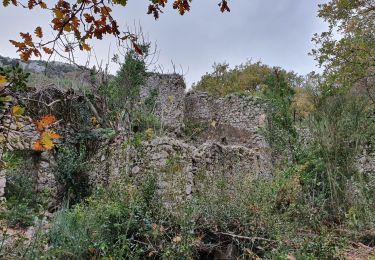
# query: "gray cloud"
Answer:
x=278 y=32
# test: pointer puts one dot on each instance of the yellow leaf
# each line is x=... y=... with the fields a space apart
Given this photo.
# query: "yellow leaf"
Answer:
x=95 y=122
x=52 y=134
x=67 y=28
x=6 y=98
x=58 y=14
x=46 y=141
x=213 y=123
x=17 y=110
x=3 y=80
x=43 y=5
x=86 y=47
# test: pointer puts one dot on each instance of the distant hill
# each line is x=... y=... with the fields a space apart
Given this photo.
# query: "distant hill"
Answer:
x=38 y=66
x=59 y=74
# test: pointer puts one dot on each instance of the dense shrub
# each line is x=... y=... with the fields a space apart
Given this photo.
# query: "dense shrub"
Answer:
x=23 y=203
x=71 y=173
x=249 y=77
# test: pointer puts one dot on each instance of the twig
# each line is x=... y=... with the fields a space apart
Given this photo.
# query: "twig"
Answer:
x=44 y=103
x=248 y=238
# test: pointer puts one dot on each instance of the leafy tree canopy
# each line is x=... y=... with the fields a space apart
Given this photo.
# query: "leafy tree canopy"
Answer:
x=347 y=49
x=245 y=77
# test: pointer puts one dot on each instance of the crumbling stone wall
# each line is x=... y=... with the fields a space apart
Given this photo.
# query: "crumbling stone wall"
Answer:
x=230 y=142
x=176 y=165
x=169 y=104
x=236 y=119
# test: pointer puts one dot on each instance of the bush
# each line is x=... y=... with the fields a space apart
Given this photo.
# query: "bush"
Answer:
x=22 y=202
x=111 y=223
x=339 y=128
x=71 y=173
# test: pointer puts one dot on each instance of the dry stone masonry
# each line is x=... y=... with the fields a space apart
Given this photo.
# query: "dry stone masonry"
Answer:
x=201 y=135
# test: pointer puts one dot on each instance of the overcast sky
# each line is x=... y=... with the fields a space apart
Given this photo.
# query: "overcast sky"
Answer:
x=277 y=32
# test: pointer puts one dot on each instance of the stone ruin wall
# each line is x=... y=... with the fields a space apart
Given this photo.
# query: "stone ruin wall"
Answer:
x=169 y=103
x=233 y=145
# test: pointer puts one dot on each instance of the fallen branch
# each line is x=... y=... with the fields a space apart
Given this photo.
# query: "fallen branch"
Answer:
x=248 y=238
x=44 y=103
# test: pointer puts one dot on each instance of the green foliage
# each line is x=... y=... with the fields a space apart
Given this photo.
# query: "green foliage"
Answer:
x=246 y=78
x=192 y=129
x=143 y=121
x=347 y=49
x=71 y=173
x=280 y=130
x=122 y=93
x=16 y=77
x=22 y=202
x=223 y=80
x=110 y=224
x=340 y=127
x=150 y=101
x=320 y=247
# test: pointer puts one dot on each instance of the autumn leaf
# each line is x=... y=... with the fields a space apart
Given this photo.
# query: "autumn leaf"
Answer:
x=28 y=39
x=18 y=45
x=43 y=5
x=47 y=138
x=137 y=48
x=17 y=110
x=52 y=134
x=6 y=3
x=86 y=47
x=47 y=50
x=105 y=10
x=3 y=80
x=58 y=14
x=37 y=146
x=45 y=122
x=38 y=32
x=224 y=6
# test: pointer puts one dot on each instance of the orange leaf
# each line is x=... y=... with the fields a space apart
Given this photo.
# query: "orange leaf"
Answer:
x=45 y=122
x=47 y=50
x=52 y=134
x=105 y=10
x=37 y=146
x=38 y=32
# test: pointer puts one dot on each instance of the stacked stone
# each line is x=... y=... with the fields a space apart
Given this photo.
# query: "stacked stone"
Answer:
x=4 y=127
x=5 y=120
x=16 y=133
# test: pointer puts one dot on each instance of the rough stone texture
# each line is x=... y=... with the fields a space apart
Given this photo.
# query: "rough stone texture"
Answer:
x=230 y=141
x=176 y=165
x=169 y=105
x=235 y=119
x=19 y=133
x=232 y=120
